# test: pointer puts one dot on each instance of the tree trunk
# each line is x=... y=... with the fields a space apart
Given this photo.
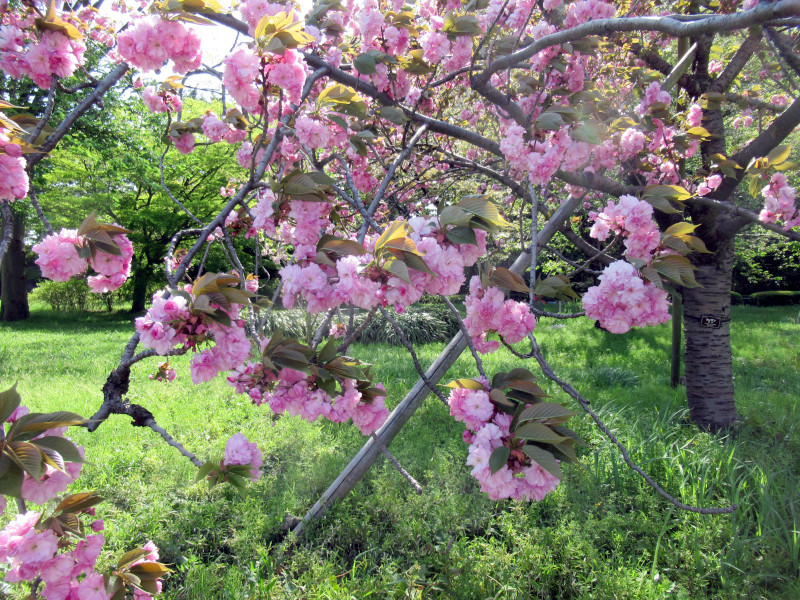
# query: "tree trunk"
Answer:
x=14 y=295
x=140 y=279
x=706 y=323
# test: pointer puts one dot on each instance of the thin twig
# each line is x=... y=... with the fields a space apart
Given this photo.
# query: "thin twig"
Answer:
x=467 y=336
x=413 y=354
x=396 y=464
x=548 y=371
x=39 y=211
x=357 y=332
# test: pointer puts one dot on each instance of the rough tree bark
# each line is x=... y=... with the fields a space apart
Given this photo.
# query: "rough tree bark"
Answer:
x=14 y=295
x=706 y=325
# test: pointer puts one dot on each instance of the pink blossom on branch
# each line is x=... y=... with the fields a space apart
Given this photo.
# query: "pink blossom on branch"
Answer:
x=623 y=300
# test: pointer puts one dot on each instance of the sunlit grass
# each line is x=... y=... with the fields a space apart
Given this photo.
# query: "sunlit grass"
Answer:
x=604 y=534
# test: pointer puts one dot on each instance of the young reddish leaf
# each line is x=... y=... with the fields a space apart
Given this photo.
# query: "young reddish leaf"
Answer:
x=469 y=384
x=509 y=280
x=77 y=502
x=27 y=456
x=131 y=557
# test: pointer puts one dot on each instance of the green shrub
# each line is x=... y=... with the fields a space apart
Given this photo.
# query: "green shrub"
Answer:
x=776 y=298
x=72 y=295
x=76 y=296
x=292 y=322
x=736 y=298
x=437 y=299
x=421 y=324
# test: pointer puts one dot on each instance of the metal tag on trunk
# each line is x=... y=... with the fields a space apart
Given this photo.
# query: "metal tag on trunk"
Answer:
x=710 y=321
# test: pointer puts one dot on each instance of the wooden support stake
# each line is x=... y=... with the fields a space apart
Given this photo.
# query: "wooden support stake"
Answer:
x=369 y=453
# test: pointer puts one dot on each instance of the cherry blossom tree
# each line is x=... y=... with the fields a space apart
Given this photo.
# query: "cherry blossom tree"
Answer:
x=382 y=147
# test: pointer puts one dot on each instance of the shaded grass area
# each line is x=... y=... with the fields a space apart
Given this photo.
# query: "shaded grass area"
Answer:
x=603 y=534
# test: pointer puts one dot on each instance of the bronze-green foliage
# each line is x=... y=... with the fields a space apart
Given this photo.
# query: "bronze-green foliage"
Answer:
x=603 y=533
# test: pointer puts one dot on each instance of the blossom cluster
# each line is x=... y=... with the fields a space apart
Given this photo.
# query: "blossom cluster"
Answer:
x=60 y=260
x=66 y=567
x=151 y=42
x=51 y=54
x=13 y=177
x=357 y=280
x=244 y=72
x=779 y=202
x=170 y=323
x=240 y=451
x=489 y=311
x=487 y=429
x=31 y=554
x=161 y=101
x=293 y=392
x=623 y=300
x=633 y=219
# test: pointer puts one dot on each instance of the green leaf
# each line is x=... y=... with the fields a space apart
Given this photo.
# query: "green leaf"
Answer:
x=672 y=192
x=205 y=470
x=499 y=458
x=544 y=459
x=130 y=557
x=393 y=115
x=63 y=446
x=341 y=246
x=9 y=402
x=27 y=456
x=365 y=64
x=699 y=132
x=545 y=410
x=453 y=215
x=11 y=477
x=681 y=228
x=538 y=432
x=778 y=155
x=550 y=121
x=482 y=207
x=462 y=235
x=677 y=269
x=328 y=352
x=565 y=452
x=662 y=204
x=587 y=132
x=399 y=269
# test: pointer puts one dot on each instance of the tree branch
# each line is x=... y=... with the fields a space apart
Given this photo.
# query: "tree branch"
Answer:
x=744 y=216
x=735 y=65
x=772 y=136
x=584 y=403
x=102 y=87
x=672 y=25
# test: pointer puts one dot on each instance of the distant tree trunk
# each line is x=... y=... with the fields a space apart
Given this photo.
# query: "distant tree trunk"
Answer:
x=14 y=295
x=706 y=323
x=140 y=279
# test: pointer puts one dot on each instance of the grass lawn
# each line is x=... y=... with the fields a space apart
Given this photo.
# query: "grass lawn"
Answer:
x=603 y=534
